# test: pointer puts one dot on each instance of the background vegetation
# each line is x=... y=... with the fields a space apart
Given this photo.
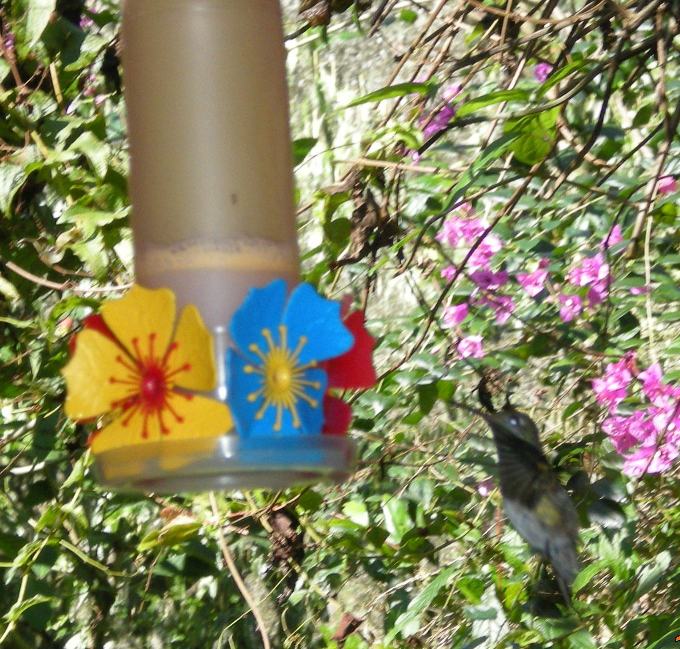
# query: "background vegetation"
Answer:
x=557 y=122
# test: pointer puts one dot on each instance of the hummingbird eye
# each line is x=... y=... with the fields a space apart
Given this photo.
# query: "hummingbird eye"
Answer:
x=514 y=421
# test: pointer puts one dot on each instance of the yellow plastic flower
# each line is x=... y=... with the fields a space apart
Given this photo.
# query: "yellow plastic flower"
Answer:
x=132 y=367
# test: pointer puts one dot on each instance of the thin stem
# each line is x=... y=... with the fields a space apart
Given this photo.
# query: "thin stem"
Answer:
x=231 y=565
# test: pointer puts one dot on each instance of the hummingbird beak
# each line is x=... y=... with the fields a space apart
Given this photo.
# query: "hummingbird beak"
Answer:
x=485 y=396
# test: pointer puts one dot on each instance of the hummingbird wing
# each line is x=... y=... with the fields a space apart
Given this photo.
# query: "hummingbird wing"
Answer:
x=538 y=505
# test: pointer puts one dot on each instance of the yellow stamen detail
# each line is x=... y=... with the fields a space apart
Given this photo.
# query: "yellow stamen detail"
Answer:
x=256 y=350
x=302 y=341
x=312 y=384
x=279 y=413
x=268 y=337
x=283 y=334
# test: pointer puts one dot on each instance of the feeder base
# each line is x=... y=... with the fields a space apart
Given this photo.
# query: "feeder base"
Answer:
x=227 y=462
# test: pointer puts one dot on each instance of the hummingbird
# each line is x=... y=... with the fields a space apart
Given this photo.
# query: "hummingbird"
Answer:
x=537 y=504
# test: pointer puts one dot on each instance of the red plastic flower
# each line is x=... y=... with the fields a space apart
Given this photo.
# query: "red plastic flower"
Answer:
x=352 y=370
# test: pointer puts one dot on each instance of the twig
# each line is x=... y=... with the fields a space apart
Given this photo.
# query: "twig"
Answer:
x=231 y=565
x=63 y=286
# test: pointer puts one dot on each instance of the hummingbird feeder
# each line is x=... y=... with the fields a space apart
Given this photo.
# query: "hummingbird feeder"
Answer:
x=218 y=368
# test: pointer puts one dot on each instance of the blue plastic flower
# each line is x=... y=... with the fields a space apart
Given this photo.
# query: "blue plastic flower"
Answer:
x=275 y=383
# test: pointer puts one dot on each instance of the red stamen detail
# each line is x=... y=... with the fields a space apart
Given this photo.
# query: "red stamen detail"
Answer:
x=123 y=361
x=178 y=418
x=128 y=381
x=138 y=354
x=185 y=368
x=145 y=429
x=126 y=402
x=173 y=346
x=164 y=429
x=152 y=338
x=130 y=415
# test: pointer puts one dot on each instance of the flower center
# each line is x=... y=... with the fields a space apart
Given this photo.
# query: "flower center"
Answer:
x=152 y=387
x=278 y=374
x=283 y=378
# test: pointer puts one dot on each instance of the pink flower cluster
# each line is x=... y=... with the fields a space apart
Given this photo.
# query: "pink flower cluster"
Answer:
x=434 y=123
x=542 y=71
x=593 y=273
x=667 y=185
x=461 y=231
x=534 y=282
x=653 y=431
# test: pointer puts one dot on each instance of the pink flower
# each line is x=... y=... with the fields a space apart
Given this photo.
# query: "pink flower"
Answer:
x=542 y=71
x=457 y=229
x=485 y=487
x=596 y=294
x=455 y=314
x=618 y=430
x=594 y=273
x=504 y=306
x=470 y=347
x=650 y=459
x=438 y=122
x=482 y=255
x=451 y=91
x=662 y=395
x=652 y=381
x=448 y=273
x=613 y=237
x=667 y=185
x=612 y=388
x=640 y=290
x=533 y=282
x=571 y=306
x=590 y=271
x=487 y=280
x=86 y=22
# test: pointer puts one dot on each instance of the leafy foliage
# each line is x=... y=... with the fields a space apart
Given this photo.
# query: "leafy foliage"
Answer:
x=413 y=550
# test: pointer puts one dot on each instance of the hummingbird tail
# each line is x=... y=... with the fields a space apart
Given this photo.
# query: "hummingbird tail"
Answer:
x=565 y=563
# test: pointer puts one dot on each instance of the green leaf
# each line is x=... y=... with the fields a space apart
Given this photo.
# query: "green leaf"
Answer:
x=37 y=16
x=337 y=231
x=427 y=397
x=397 y=518
x=495 y=150
x=587 y=575
x=581 y=639
x=11 y=178
x=408 y=623
x=179 y=530
x=4 y=69
x=89 y=221
x=557 y=75
x=471 y=587
x=651 y=573
x=492 y=98
x=20 y=608
x=356 y=511
x=390 y=92
x=643 y=115
x=96 y=152
x=301 y=148
x=532 y=147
